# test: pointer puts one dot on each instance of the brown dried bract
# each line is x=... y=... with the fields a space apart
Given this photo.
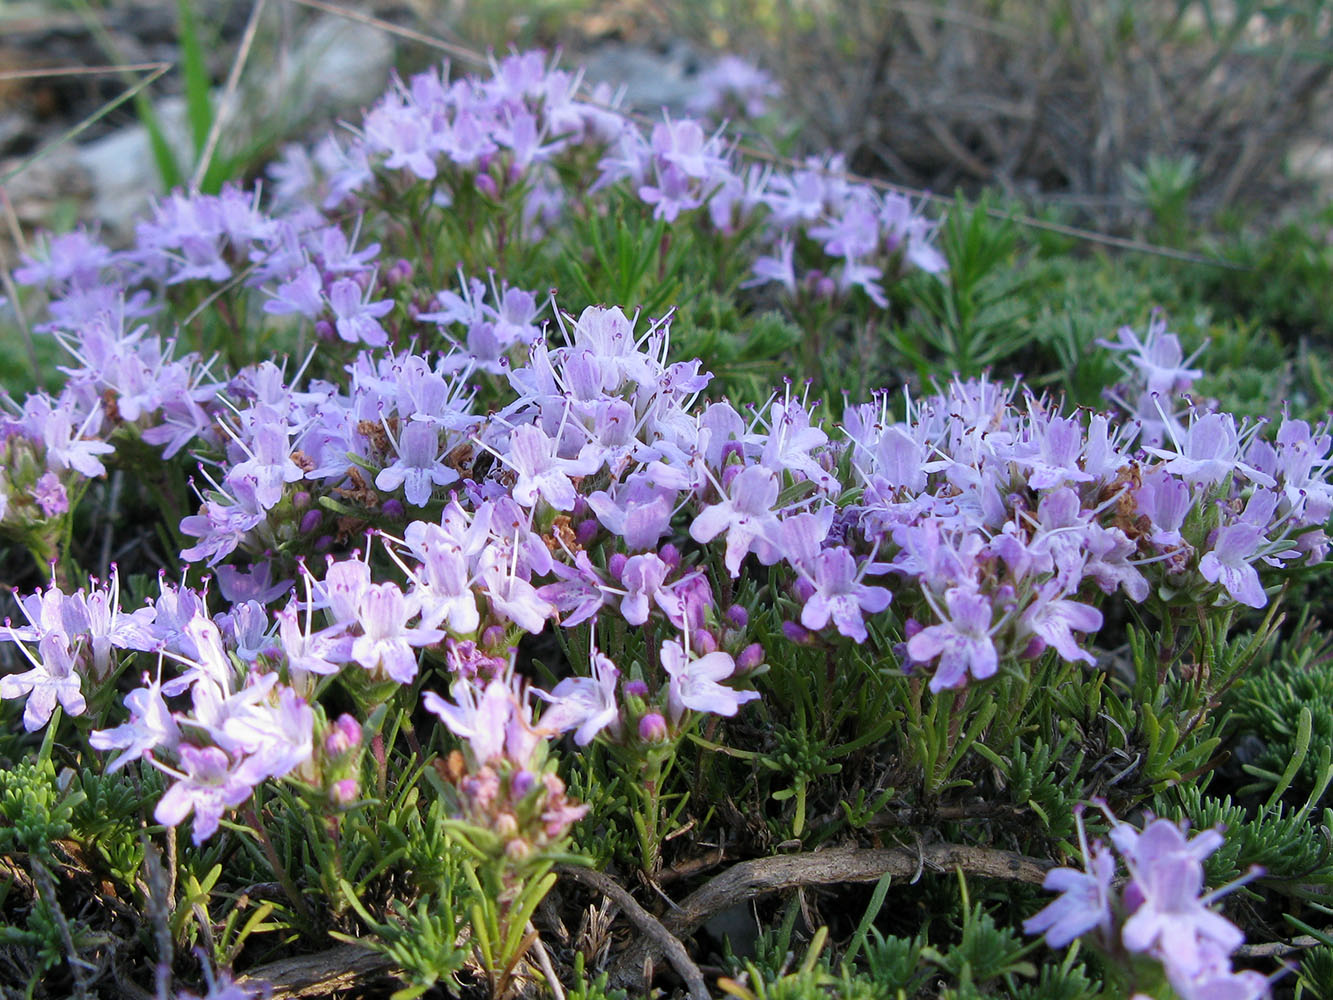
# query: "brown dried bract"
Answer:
x=451 y=768
x=110 y=407
x=460 y=459
x=562 y=536
x=377 y=432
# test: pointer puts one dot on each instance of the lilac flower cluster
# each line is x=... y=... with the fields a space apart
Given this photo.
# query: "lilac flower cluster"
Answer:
x=983 y=528
x=997 y=522
x=1161 y=912
x=490 y=136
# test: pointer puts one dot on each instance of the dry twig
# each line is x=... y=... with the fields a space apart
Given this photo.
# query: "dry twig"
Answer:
x=660 y=941
x=745 y=881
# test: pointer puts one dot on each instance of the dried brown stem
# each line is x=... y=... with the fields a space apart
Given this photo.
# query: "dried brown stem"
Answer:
x=322 y=974
x=750 y=879
x=660 y=942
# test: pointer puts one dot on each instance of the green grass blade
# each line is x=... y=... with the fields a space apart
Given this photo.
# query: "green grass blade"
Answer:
x=194 y=68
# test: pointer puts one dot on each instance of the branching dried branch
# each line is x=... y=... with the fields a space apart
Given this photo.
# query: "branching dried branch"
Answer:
x=749 y=879
x=660 y=942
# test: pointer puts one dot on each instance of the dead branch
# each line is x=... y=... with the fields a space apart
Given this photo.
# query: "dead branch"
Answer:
x=659 y=941
x=748 y=879
x=321 y=974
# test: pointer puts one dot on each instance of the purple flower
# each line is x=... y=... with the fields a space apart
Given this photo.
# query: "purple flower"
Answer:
x=355 y=317
x=1085 y=900
x=540 y=472
x=962 y=641
x=303 y=294
x=1054 y=452
x=779 y=267
x=1228 y=563
x=1169 y=917
x=68 y=447
x=694 y=683
x=643 y=576
x=209 y=784
x=385 y=647
x=312 y=652
x=1054 y=619
x=51 y=679
x=745 y=512
x=418 y=465
x=1209 y=452
x=1165 y=501
x=840 y=594
x=278 y=738
x=151 y=726
x=494 y=723
x=584 y=704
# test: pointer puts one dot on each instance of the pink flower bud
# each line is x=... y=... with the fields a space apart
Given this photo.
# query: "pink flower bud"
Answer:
x=311 y=520
x=343 y=735
x=343 y=793
x=751 y=657
x=1035 y=647
x=670 y=555
x=738 y=616
x=586 y=532
x=522 y=783
x=798 y=634
x=652 y=728
x=616 y=565
x=486 y=185
x=636 y=689
x=704 y=642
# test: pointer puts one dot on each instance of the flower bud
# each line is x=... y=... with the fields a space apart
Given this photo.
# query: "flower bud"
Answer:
x=506 y=826
x=738 y=616
x=636 y=688
x=311 y=520
x=616 y=565
x=652 y=728
x=343 y=793
x=486 y=185
x=393 y=508
x=803 y=589
x=522 y=783
x=517 y=849
x=670 y=555
x=493 y=636
x=751 y=657
x=343 y=735
x=1035 y=647
x=798 y=634
x=704 y=642
x=586 y=531
x=324 y=330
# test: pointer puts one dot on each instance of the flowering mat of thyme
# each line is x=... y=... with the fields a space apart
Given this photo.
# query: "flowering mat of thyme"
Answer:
x=491 y=557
